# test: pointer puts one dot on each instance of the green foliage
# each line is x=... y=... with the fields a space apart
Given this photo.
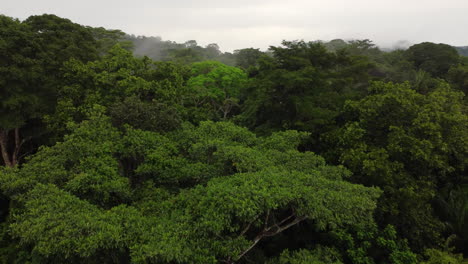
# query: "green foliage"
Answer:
x=399 y=253
x=106 y=39
x=303 y=256
x=367 y=244
x=83 y=164
x=303 y=86
x=153 y=116
x=72 y=195
x=435 y=59
x=111 y=158
x=407 y=144
x=216 y=87
x=62 y=39
x=451 y=204
x=183 y=53
x=232 y=207
x=136 y=91
x=59 y=224
x=458 y=77
x=247 y=58
x=20 y=69
x=435 y=256
x=33 y=52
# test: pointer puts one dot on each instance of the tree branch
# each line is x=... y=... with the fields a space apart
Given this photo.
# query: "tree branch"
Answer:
x=256 y=240
x=248 y=226
x=282 y=228
x=285 y=220
x=265 y=233
x=266 y=219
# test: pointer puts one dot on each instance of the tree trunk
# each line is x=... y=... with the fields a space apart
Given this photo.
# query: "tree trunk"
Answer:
x=10 y=158
x=4 y=148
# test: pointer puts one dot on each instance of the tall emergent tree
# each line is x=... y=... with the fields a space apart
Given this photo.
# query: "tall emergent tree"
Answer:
x=32 y=54
x=21 y=96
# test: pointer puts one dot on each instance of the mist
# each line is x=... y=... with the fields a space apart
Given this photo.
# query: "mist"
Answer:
x=260 y=23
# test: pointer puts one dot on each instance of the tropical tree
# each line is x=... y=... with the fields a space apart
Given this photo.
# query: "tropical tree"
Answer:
x=217 y=87
x=201 y=195
x=435 y=59
x=303 y=86
x=410 y=145
x=23 y=98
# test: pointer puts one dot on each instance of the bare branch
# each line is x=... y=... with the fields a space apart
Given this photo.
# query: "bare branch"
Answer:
x=266 y=220
x=278 y=230
x=286 y=219
x=248 y=226
x=256 y=240
x=282 y=228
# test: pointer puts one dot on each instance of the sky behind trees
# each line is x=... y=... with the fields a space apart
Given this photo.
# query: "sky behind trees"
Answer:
x=260 y=23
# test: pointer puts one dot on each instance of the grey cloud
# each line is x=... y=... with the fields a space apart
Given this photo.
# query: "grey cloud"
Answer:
x=260 y=23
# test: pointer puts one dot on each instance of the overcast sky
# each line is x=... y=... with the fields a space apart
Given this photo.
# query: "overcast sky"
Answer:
x=238 y=24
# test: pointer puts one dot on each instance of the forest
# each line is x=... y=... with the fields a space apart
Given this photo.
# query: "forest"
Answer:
x=118 y=148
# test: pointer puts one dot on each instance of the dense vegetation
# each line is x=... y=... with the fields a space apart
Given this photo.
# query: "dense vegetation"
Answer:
x=311 y=152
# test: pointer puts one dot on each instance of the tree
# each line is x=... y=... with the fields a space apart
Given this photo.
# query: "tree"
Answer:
x=303 y=86
x=135 y=91
x=33 y=52
x=62 y=39
x=316 y=256
x=370 y=244
x=212 y=51
x=106 y=39
x=232 y=215
x=228 y=218
x=451 y=204
x=364 y=47
x=410 y=145
x=216 y=86
x=440 y=257
x=246 y=58
x=79 y=200
x=336 y=44
x=458 y=77
x=436 y=59
x=21 y=95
